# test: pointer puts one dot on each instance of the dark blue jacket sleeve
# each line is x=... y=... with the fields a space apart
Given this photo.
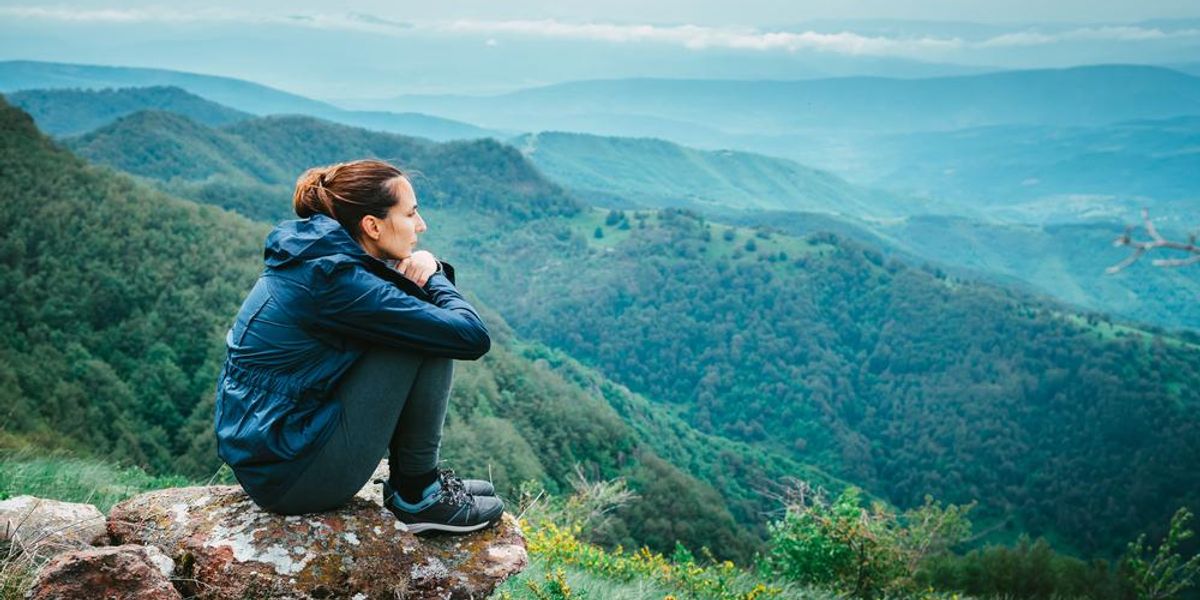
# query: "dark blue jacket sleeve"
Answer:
x=357 y=303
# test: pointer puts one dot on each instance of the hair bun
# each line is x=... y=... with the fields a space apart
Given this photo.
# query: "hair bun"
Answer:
x=311 y=197
x=346 y=192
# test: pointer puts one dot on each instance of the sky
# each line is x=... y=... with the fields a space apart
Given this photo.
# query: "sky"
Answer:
x=741 y=12
x=375 y=48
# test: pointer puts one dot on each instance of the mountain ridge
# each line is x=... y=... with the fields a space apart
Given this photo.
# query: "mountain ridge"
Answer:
x=1077 y=95
x=73 y=112
x=236 y=93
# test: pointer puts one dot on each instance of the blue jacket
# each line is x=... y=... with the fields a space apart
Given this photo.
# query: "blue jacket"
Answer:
x=320 y=302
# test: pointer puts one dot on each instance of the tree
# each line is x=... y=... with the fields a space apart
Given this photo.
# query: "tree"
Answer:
x=1156 y=241
x=866 y=552
x=1160 y=574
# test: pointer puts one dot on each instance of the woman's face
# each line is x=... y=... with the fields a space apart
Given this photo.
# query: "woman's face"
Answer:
x=395 y=236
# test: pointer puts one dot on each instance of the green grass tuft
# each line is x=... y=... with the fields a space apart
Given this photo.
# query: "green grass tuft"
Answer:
x=71 y=479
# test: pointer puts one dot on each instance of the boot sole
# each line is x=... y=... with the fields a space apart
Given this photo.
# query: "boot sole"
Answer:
x=416 y=528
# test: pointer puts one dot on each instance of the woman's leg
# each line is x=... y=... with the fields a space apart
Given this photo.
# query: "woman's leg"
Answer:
x=381 y=392
x=417 y=437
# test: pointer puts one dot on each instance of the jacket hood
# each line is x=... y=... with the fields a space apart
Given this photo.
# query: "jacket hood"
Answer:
x=307 y=239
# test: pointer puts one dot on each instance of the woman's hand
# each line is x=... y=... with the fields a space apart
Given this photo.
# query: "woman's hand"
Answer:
x=418 y=267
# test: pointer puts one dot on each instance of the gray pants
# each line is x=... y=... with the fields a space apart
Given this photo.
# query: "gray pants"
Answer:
x=390 y=399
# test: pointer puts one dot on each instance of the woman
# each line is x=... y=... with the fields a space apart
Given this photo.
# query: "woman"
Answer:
x=342 y=351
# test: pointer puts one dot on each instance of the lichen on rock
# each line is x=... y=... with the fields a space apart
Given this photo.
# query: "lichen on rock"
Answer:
x=226 y=547
x=127 y=572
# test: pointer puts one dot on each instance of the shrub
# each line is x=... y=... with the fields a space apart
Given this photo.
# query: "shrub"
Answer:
x=1162 y=573
x=865 y=552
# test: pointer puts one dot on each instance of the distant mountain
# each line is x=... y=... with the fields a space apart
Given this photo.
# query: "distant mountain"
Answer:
x=1191 y=68
x=234 y=93
x=170 y=145
x=625 y=172
x=1075 y=96
x=63 y=112
x=1146 y=161
x=1028 y=173
x=250 y=166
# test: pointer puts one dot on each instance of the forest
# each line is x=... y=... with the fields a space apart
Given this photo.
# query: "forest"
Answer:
x=696 y=358
x=816 y=348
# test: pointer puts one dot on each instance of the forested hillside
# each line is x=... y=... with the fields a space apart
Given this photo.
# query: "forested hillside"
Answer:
x=902 y=379
x=116 y=299
x=815 y=349
x=1067 y=261
x=251 y=166
x=652 y=173
x=72 y=111
x=1037 y=249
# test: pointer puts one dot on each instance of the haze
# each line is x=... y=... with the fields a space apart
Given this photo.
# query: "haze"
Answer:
x=380 y=49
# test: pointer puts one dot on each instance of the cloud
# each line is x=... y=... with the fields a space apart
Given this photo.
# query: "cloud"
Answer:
x=330 y=21
x=110 y=15
x=695 y=37
x=699 y=37
x=1097 y=34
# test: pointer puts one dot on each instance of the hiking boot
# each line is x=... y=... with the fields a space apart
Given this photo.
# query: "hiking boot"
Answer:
x=445 y=506
x=473 y=487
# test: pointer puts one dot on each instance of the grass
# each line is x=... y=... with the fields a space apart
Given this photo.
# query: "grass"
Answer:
x=65 y=478
x=1108 y=330
x=565 y=566
x=586 y=223
x=532 y=584
x=73 y=479
x=718 y=247
x=544 y=579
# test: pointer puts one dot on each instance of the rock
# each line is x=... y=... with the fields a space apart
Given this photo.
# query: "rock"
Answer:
x=43 y=527
x=371 y=491
x=128 y=572
x=232 y=549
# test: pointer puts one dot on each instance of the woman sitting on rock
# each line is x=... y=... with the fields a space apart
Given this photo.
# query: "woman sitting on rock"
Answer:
x=342 y=351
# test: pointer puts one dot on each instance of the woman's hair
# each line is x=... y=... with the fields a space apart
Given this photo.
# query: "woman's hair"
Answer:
x=347 y=192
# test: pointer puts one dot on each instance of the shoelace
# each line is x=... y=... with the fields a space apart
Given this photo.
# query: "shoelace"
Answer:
x=454 y=487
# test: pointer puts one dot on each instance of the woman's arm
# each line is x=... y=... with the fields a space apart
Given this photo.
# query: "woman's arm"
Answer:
x=358 y=303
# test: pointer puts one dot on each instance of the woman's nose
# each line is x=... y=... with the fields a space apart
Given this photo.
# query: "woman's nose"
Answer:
x=421 y=224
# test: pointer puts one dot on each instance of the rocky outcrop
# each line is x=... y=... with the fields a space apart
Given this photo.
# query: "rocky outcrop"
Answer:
x=43 y=527
x=215 y=543
x=225 y=547
x=114 y=573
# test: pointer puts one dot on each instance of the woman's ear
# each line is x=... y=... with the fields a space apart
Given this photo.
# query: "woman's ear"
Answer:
x=370 y=227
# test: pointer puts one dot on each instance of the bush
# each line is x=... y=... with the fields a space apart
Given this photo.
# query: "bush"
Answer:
x=863 y=552
x=555 y=529
x=1162 y=573
x=1030 y=569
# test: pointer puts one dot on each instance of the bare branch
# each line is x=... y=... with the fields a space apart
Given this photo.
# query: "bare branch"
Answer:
x=1156 y=241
